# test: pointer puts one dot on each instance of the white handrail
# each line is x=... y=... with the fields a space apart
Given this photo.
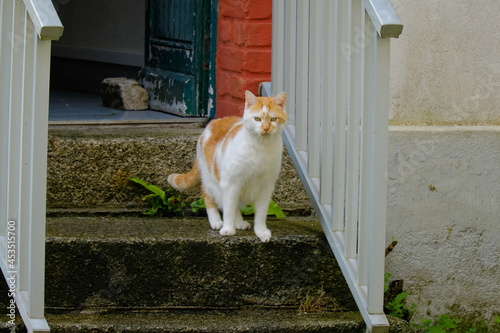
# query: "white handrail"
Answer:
x=332 y=58
x=45 y=19
x=384 y=18
x=26 y=30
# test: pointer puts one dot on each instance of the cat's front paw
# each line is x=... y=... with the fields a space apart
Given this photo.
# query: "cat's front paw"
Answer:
x=242 y=225
x=264 y=235
x=226 y=231
x=216 y=225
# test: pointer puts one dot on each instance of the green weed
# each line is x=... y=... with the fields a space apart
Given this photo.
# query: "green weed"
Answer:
x=387 y=276
x=162 y=202
x=398 y=308
x=197 y=205
x=273 y=209
x=170 y=202
x=441 y=324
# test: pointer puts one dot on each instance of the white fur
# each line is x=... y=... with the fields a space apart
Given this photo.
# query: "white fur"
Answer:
x=248 y=169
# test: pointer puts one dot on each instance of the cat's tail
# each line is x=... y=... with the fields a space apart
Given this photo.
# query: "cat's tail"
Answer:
x=186 y=181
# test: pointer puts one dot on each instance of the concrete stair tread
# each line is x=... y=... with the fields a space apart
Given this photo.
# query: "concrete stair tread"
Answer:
x=213 y=321
x=136 y=262
x=141 y=228
x=90 y=167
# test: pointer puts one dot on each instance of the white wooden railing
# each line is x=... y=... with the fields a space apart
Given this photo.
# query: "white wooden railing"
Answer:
x=26 y=31
x=332 y=59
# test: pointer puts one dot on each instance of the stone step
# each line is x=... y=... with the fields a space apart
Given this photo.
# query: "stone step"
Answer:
x=135 y=274
x=253 y=320
x=196 y=321
x=137 y=263
x=249 y=320
x=89 y=167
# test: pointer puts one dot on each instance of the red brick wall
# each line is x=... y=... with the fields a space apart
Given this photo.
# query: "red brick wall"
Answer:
x=243 y=57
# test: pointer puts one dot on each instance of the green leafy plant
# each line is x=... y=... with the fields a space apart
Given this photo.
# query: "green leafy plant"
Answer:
x=161 y=201
x=197 y=205
x=398 y=308
x=441 y=324
x=170 y=201
x=387 y=276
x=395 y=299
x=273 y=209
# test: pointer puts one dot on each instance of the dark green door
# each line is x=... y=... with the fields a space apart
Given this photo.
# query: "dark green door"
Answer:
x=179 y=59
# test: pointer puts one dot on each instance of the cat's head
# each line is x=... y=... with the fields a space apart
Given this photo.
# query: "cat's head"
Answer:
x=264 y=116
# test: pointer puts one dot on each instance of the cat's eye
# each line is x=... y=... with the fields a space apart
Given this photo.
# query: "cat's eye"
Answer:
x=257 y=118
x=274 y=118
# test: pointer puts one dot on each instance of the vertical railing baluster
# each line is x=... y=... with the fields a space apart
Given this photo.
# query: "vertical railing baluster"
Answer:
x=3 y=129
x=39 y=141
x=368 y=108
x=341 y=105
x=354 y=118
x=314 y=107
x=328 y=97
x=380 y=134
x=27 y=146
x=290 y=55
x=302 y=75
x=278 y=46
x=16 y=211
x=5 y=101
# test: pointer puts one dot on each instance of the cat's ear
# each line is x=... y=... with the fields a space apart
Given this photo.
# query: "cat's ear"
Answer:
x=250 y=99
x=280 y=99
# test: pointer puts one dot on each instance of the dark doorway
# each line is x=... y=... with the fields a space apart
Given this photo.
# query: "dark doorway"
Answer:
x=112 y=38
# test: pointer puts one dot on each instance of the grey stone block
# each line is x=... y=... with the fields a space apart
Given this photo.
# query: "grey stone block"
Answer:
x=125 y=94
x=134 y=262
x=205 y=321
x=90 y=166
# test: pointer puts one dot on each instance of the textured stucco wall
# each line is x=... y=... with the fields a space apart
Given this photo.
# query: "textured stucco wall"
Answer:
x=444 y=177
x=443 y=209
x=445 y=65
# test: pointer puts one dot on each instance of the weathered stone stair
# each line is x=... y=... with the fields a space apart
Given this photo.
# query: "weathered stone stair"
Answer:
x=169 y=263
x=159 y=268
x=135 y=274
x=108 y=269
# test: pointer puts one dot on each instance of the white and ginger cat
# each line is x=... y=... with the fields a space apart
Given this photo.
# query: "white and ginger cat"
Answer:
x=237 y=163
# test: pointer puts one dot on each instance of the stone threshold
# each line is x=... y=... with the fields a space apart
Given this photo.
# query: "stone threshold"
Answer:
x=180 y=123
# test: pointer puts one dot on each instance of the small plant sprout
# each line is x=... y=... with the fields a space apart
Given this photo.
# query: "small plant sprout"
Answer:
x=313 y=303
x=161 y=201
x=273 y=209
